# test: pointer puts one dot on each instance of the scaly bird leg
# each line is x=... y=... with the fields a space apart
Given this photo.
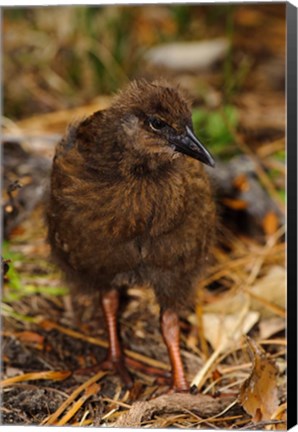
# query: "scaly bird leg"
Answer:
x=115 y=357
x=114 y=360
x=171 y=333
x=110 y=306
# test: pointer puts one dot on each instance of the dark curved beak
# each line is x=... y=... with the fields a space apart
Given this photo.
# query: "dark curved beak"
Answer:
x=191 y=146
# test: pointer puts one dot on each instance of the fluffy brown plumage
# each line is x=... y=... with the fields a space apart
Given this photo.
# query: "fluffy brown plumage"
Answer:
x=130 y=204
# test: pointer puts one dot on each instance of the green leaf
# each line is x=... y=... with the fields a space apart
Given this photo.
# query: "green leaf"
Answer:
x=7 y=310
x=282 y=194
x=280 y=155
x=216 y=127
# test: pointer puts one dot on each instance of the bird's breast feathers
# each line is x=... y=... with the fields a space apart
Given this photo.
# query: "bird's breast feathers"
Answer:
x=128 y=207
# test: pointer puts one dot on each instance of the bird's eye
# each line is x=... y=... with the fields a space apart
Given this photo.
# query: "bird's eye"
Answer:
x=156 y=123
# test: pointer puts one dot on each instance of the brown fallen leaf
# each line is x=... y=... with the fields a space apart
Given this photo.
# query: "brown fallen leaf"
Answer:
x=258 y=395
x=30 y=336
x=223 y=330
x=235 y=204
x=241 y=183
x=220 y=328
x=280 y=414
x=270 y=223
x=268 y=296
x=270 y=326
x=269 y=293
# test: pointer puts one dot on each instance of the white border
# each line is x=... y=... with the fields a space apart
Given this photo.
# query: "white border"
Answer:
x=14 y=3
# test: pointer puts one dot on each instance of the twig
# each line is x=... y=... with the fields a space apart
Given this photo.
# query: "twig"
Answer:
x=44 y=375
x=53 y=417
x=89 y=391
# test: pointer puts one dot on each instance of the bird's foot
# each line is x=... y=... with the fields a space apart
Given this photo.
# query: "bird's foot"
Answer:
x=120 y=366
x=109 y=364
x=179 y=389
x=161 y=374
x=179 y=383
x=165 y=390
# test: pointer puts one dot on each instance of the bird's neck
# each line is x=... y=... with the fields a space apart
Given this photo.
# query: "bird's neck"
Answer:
x=145 y=166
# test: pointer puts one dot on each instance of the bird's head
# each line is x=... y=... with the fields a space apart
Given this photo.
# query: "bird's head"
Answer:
x=156 y=119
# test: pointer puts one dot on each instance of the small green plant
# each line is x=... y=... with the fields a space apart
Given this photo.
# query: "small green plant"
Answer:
x=18 y=286
x=182 y=16
x=215 y=128
x=280 y=155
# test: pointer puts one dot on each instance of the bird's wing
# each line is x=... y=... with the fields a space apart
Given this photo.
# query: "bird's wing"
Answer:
x=68 y=141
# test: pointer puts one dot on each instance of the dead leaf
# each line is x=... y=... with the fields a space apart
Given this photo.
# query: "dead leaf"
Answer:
x=270 y=223
x=280 y=414
x=223 y=330
x=219 y=327
x=270 y=326
x=271 y=288
x=235 y=204
x=221 y=319
x=227 y=302
x=268 y=296
x=258 y=395
x=241 y=182
x=30 y=336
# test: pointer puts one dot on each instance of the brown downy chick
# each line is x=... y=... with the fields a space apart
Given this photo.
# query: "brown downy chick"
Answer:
x=131 y=204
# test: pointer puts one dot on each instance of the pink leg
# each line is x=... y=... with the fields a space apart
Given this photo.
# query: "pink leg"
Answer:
x=171 y=333
x=115 y=358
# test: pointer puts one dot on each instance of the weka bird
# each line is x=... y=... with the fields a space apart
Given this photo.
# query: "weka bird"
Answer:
x=131 y=204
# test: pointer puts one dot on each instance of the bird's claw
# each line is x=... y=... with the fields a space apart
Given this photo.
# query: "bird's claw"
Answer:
x=117 y=366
